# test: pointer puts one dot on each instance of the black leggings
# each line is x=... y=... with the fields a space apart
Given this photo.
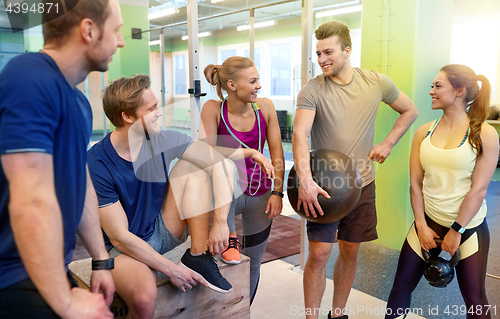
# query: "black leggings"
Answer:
x=471 y=274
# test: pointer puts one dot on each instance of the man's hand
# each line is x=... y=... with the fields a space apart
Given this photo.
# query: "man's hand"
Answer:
x=265 y=164
x=380 y=152
x=102 y=280
x=218 y=238
x=184 y=278
x=308 y=196
x=87 y=305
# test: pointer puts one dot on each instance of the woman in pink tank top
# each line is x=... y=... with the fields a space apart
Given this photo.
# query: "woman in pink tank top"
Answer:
x=243 y=120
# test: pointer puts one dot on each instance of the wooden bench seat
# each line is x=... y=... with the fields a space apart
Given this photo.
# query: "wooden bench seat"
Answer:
x=199 y=302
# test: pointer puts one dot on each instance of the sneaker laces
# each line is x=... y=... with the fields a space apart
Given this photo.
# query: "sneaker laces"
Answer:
x=234 y=243
x=211 y=261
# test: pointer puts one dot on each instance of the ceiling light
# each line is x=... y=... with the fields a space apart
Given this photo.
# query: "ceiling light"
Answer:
x=339 y=11
x=257 y=25
x=154 y=42
x=161 y=13
x=200 y=35
x=215 y=1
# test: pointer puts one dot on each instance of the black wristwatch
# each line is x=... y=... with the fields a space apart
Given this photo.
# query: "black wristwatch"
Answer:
x=457 y=227
x=107 y=264
x=280 y=194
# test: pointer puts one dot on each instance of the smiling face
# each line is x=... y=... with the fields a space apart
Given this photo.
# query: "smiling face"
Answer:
x=442 y=93
x=247 y=85
x=331 y=58
x=149 y=112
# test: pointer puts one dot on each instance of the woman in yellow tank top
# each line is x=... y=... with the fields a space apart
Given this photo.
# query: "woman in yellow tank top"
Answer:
x=451 y=164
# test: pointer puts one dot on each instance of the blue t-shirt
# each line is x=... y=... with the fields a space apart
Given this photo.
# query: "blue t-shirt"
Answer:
x=139 y=188
x=40 y=112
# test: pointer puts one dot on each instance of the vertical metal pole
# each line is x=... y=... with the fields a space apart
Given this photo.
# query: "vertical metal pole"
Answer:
x=162 y=76
x=194 y=70
x=252 y=34
x=104 y=119
x=307 y=23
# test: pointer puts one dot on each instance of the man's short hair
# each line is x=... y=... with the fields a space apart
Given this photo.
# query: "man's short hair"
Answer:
x=332 y=28
x=57 y=29
x=124 y=96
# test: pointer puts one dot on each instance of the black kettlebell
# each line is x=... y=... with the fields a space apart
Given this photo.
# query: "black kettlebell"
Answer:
x=439 y=271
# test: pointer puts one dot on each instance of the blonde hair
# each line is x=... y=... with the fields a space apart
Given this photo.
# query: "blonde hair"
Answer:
x=124 y=96
x=334 y=27
x=218 y=75
x=478 y=100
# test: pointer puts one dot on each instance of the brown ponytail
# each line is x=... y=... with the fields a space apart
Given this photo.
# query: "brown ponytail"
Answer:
x=477 y=100
x=218 y=75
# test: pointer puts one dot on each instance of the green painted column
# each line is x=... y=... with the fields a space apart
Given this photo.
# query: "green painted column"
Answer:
x=418 y=34
x=33 y=39
x=134 y=57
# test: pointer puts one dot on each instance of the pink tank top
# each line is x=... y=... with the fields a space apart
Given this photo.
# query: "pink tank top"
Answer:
x=249 y=173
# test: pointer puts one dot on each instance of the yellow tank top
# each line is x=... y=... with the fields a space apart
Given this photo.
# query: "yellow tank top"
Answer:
x=447 y=179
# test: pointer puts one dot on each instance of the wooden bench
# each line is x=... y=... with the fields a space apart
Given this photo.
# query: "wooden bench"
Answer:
x=199 y=302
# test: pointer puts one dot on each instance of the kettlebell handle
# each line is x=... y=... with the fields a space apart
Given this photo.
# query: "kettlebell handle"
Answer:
x=452 y=262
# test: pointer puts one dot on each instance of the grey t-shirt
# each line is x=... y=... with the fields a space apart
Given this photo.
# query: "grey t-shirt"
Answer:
x=345 y=114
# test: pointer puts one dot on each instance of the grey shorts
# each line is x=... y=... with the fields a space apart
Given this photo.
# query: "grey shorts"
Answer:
x=359 y=225
x=161 y=240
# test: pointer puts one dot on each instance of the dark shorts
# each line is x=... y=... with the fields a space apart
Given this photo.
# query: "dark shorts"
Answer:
x=22 y=300
x=359 y=225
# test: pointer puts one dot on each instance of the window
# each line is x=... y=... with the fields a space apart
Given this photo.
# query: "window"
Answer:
x=256 y=59
x=281 y=64
x=481 y=55
x=180 y=75
x=224 y=54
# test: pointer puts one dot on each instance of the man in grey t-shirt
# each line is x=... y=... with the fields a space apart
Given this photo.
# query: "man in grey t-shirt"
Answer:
x=338 y=109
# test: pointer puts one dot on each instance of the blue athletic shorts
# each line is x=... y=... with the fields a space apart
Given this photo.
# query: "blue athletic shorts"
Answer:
x=162 y=240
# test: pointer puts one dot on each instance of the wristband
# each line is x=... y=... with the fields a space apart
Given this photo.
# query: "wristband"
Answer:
x=457 y=227
x=107 y=264
x=280 y=194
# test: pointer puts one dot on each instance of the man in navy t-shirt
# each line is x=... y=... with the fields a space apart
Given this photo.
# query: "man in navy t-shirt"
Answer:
x=144 y=210
x=46 y=195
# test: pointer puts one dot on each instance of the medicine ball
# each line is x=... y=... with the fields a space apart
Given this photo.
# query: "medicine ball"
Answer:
x=439 y=271
x=337 y=174
x=494 y=113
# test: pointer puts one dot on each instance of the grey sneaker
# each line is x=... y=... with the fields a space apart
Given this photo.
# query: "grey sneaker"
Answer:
x=205 y=267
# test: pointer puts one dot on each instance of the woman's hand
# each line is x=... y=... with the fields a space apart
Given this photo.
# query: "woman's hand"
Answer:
x=274 y=206
x=426 y=236
x=451 y=241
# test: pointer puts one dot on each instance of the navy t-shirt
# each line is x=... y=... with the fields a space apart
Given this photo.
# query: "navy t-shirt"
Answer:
x=40 y=112
x=140 y=188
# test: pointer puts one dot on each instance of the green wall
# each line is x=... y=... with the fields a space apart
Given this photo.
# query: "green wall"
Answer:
x=33 y=39
x=134 y=57
x=419 y=43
